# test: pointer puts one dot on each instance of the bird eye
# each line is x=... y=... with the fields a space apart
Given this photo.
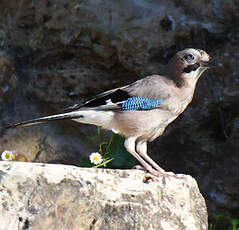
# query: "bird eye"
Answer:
x=189 y=57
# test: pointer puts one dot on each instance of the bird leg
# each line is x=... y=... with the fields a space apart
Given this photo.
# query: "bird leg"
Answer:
x=142 y=151
x=130 y=147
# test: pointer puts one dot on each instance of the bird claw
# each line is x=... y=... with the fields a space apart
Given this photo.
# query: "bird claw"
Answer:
x=163 y=174
x=156 y=173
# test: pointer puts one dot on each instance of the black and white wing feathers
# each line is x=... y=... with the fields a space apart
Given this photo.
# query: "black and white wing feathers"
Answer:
x=146 y=91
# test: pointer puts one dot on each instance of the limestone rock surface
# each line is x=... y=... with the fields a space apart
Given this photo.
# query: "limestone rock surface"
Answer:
x=46 y=196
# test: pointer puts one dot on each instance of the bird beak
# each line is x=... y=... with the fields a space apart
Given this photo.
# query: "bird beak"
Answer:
x=211 y=63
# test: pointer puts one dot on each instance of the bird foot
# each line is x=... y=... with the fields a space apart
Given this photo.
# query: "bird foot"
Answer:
x=163 y=173
x=157 y=173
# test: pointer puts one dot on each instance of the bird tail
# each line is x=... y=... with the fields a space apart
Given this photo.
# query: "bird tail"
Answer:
x=62 y=116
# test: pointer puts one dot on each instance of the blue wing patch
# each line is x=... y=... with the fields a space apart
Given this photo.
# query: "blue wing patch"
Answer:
x=141 y=103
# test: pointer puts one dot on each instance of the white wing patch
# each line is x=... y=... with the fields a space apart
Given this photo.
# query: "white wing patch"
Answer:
x=109 y=102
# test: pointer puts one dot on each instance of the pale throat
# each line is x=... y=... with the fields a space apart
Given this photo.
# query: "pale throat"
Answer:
x=191 y=78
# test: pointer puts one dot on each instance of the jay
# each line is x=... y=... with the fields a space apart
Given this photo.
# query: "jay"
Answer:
x=142 y=110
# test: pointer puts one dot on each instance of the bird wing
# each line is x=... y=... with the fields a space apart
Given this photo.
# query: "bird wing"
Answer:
x=144 y=94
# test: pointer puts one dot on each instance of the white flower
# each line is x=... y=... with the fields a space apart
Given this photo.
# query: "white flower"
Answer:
x=8 y=155
x=95 y=158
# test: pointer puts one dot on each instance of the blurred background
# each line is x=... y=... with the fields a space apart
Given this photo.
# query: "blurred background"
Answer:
x=55 y=53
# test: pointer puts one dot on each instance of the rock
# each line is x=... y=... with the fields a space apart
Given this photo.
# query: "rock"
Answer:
x=45 y=196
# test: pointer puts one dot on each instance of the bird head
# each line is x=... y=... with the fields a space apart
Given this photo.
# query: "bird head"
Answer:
x=189 y=64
